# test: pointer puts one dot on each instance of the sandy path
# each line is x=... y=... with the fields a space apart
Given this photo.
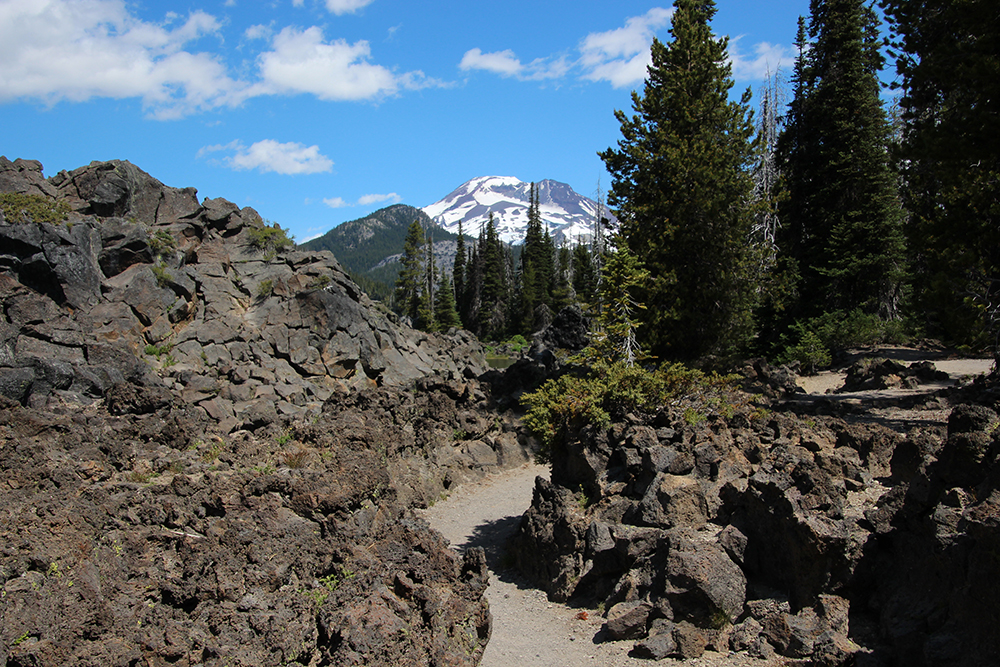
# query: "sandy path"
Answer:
x=528 y=630
x=956 y=368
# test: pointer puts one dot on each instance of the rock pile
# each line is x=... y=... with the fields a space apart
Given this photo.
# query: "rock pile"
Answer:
x=808 y=537
x=143 y=277
x=210 y=443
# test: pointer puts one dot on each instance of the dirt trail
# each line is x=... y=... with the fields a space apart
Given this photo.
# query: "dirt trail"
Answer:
x=528 y=630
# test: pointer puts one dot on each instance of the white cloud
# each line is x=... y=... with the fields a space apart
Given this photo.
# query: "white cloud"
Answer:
x=339 y=7
x=302 y=62
x=76 y=50
x=368 y=200
x=269 y=155
x=258 y=32
x=504 y=63
x=621 y=56
x=364 y=200
x=767 y=60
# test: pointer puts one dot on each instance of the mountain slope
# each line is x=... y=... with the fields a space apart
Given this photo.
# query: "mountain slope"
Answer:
x=368 y=247
x=569 y=215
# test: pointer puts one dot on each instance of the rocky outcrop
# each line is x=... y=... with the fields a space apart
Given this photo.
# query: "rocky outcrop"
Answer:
x=211 y=444
x=807 y=537
x=873 y=374
x=141 y=274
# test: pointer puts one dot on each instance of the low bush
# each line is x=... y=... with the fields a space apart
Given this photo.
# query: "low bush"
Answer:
x=269 y=239
x=813 y=341
x=19 y=207
x=606 y=392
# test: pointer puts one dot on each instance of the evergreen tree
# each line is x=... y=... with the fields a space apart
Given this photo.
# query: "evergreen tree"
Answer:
x=426 y=320
x=536 y=267
x=682 y=189
x=795 y=154
x=472 y=294
x=948 y=58
x=458 y=271
x=584 y=279
x=625 y=278
x=410 y=280
x=844 y=211
x=492 y=318
x=445 y=312
x=562 y=293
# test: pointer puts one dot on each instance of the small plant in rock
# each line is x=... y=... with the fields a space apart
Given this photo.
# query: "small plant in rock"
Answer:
x=693 y=417
x=271 y=239
x=158 y=350
x=296 y=458
x=19 y=207
x=213 y=453
x=320 y=282
x=609 y=391
x=265 y=288
x=163 y=277
x=284 y=438
x=161 y=242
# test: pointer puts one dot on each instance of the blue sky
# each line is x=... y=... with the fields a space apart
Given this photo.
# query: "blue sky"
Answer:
x=319 y=111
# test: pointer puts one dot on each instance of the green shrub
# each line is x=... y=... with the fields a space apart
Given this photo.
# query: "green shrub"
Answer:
x=810 y=352
x=19 y=207
x=817 y=338
x=158 y=350
x=608 y=391
x=321 y=281
x=162 y=242
x=163 y=277
x=269 y=240
x=265 y=288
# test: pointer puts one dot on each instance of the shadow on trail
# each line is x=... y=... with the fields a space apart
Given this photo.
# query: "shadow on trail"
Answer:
x=493 y=537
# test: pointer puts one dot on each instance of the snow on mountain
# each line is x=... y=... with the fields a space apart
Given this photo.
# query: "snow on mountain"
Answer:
x=569 y=216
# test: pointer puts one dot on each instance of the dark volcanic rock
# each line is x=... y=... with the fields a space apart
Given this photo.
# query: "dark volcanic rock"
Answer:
x=210 y=452
x=778 y=535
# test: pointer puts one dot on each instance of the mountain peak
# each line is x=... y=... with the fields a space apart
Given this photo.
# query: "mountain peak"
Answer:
x=568 y=215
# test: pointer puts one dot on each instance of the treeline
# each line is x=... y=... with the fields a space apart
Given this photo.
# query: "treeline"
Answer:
x=492 y=289
x=828 y=223
x=825 y=223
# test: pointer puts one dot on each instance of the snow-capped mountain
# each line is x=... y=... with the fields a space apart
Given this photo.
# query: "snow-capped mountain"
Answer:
x=570 y=216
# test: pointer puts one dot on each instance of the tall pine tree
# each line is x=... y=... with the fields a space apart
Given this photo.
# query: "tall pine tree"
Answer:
x=948 y=58
x=682 y=188
x=410 y=280
x=843 y=213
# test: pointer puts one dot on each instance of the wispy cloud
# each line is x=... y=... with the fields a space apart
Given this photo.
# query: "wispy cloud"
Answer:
x=766 y=60
x=504 y=63
x=271 y=156
x=336 y=202
x=364 y=200
x=621 y=56
x=339 y=7
x=368 y=200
